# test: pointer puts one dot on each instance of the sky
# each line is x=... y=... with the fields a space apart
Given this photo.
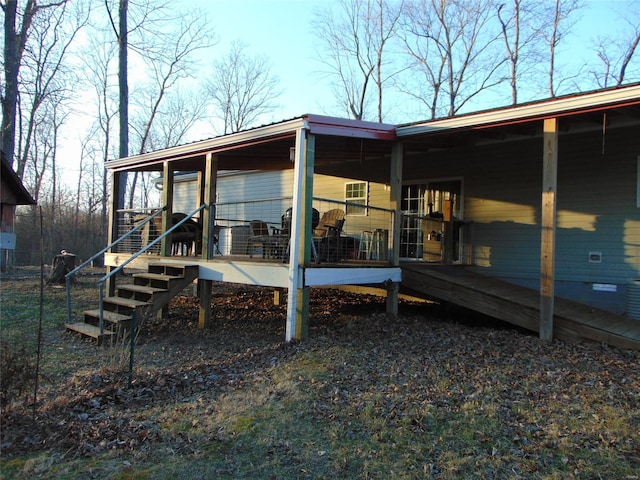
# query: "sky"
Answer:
x=282 y=30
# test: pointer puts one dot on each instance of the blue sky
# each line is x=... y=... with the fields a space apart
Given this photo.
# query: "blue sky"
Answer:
x=282 y=30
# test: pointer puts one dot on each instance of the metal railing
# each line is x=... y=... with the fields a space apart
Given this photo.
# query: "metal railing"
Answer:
x=69 y=276
x=361 y=220
x=101 y=282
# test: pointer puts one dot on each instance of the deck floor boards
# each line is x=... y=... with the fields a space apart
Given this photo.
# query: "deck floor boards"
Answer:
x=519 y=305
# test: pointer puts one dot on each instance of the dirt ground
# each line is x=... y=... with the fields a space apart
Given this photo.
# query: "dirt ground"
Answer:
x=173 y=360
x=449 y=360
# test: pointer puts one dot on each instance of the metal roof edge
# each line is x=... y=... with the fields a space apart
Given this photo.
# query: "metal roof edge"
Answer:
x=212 y=144
x=347 y=127
x=524 y=112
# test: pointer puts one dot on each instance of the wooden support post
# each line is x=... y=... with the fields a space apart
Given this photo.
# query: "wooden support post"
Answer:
x=448 y=232
x=278 y=294
x=167 y=200
x=395 y=199
x=300 y=246
x=393 y=292
x=112 y=234
x=209 y=198
x=548 y=224
x=208 y=218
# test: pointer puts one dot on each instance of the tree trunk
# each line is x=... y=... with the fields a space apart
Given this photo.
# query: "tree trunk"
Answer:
x=60 y=266
x=124 y=94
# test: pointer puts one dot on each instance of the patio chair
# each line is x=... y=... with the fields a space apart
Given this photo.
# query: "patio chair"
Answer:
x=187 y=238
x=326 y=236
x=272 y=243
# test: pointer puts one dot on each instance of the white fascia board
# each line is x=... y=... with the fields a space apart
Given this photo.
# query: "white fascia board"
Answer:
x=247 y=273
x=213 y=144
x=318 y=276
x=193 y=176
x=556 y=106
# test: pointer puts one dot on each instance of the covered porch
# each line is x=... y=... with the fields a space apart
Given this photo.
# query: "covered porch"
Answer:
x=283 y=236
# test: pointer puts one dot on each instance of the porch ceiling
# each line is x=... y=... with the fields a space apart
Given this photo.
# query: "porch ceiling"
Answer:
x=338 y=143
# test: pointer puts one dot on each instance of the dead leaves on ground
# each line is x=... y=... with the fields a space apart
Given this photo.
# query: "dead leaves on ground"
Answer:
x=412 y=371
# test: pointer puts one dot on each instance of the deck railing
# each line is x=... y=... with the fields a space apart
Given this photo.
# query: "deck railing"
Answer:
x=128 y=234
x=365 y=233
x=123 y=238
x=137 y=227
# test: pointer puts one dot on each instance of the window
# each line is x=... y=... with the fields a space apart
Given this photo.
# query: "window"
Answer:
x=356 y=192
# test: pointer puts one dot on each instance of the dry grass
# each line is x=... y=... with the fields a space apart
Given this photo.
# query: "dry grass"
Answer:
x=425 y=395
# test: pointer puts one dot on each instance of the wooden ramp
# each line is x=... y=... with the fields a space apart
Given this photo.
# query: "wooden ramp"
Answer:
x=520 y=306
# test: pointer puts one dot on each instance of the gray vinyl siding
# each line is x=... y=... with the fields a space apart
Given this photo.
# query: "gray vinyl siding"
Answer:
x=502 y=199
x=597 y=210
x=596 y=204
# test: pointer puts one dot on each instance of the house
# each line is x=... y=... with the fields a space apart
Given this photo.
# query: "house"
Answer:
x=543 y=195
x=12 y=193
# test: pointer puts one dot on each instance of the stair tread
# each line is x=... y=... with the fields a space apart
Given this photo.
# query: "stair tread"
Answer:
x=141 y=288
x=88 y=330
x=156 y=276
x=108 y=316
x=173 y=265
x=126 y=302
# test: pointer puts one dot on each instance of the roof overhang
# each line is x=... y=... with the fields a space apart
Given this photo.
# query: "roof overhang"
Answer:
x=12 y=181
x=343 y=146
x=213 y=145
x=557 y=107
x=259 y=144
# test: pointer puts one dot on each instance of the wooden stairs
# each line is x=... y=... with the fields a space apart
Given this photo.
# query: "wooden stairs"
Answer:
x=149 y=293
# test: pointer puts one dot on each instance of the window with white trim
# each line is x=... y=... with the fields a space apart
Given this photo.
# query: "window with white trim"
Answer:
x=358 y=193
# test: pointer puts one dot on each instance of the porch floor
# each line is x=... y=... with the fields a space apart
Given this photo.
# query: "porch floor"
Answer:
x=518 y=305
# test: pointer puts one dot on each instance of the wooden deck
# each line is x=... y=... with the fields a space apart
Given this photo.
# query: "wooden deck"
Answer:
x=520 y=306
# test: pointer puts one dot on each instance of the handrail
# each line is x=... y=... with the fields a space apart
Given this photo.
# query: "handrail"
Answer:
x=120 y=267
x=256 y=200
x=70 y=275
x=353 y=204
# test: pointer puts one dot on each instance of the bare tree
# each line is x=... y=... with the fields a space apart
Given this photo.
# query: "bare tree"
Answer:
x=173 y=61
x=358 y=43
x=17 y=29
x=121 y=31
x=242 y=88
x=561 y=19
x=452 y=47
x=41 y=171
x=97 y=69
x=617 y=50
x=44 y=73
x=183 y=109
x=521 y=34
